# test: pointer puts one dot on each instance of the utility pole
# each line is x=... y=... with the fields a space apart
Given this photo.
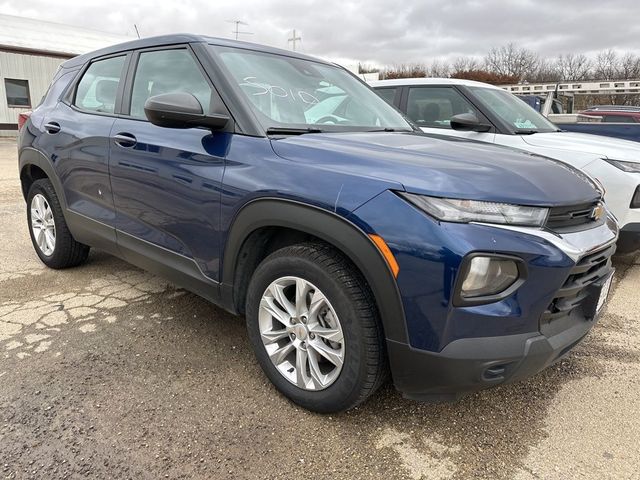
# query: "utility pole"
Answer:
x=237 y=31
x=294 y=39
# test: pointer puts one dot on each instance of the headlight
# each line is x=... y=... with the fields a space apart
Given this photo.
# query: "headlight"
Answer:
x=465 y=211
x=631 y=167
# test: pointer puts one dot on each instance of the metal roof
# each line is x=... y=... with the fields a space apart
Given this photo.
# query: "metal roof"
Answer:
x=177 y=38
x=20 y=33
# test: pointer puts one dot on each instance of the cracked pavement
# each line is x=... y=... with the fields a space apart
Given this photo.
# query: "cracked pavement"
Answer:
x=109 y=372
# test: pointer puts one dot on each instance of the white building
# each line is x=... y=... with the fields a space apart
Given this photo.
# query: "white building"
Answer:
x=30 y=53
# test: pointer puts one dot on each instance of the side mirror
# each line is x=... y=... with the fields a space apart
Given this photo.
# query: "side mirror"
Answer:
x=468 y=122
x=181 y=110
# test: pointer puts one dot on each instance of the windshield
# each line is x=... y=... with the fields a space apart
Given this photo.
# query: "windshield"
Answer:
x=286 y=92
x=514 y=111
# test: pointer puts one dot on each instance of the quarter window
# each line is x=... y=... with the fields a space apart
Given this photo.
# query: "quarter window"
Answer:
x=434 y=106
x=168 y=71
x=98 y=87
x=17 y=93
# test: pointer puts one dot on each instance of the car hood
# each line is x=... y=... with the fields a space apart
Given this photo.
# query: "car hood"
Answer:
x=604 y=147
x=440 y=166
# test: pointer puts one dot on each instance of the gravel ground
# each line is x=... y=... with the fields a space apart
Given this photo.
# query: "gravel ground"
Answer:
x=109 y=372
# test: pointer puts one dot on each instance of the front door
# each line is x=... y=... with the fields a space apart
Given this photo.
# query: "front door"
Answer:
x=167 y=182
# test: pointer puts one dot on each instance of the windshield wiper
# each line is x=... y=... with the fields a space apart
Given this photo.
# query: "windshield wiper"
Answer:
x=291 y=130
x=525 y=131
x=389 y=129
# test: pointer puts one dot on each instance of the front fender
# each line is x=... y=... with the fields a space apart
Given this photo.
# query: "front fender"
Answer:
x=333 y=229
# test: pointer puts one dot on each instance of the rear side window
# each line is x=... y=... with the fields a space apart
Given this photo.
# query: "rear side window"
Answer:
x=387 y=94
x=98 y=87
x=167 y=71
x=434 y=106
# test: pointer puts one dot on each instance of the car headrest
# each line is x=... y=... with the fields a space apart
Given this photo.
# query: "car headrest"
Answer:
x=106 y=91
x=431 y=112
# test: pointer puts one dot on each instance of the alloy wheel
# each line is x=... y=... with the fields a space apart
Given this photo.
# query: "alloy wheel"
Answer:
x=301 y=333
x=43 y=224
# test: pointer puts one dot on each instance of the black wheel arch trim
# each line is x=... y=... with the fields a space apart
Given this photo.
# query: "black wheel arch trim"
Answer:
x=31 y=156
x=329 y=227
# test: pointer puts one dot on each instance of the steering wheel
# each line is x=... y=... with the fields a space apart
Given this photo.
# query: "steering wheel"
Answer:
x=331 y=120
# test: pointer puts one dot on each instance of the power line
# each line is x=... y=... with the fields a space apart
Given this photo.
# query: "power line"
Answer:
x=294 y=39
x=237 y=31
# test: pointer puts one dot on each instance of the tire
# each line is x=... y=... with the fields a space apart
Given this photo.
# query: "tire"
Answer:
x=64 y=251
x=349 y=307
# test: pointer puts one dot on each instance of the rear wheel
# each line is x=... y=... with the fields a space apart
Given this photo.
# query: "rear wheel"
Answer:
x=49 y=233
x=315 y=329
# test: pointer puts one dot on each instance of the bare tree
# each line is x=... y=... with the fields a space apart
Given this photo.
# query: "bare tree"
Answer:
x=366 y=68
x=510 y=60
x=512 y=64
x=404 y=71
x=573 y=67
x=546 y=71
x=628 y=67
x=480 y=75
x=439 y=69
x=606 y=66
x=465 y=64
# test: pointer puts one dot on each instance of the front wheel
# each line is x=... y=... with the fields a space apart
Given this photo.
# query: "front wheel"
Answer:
x=315 y=329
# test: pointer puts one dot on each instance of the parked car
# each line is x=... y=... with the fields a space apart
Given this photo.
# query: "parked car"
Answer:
x=282 y=188
x=625 y=125
x=623 y=131
x=483 y=112
x=614 y=113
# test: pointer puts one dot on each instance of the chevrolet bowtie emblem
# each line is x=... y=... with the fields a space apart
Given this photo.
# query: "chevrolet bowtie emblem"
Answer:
x=598 y=212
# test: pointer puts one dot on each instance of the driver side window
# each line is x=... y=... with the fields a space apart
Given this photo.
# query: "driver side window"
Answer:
x=167 y=71
x=434 y=106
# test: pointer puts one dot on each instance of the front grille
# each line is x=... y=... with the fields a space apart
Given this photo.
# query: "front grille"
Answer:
x=571 y=216
x=575 y=290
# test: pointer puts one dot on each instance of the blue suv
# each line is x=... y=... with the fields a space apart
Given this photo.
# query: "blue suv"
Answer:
x=282 y=188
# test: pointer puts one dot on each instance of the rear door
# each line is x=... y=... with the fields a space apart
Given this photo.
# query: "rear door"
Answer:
x=167 y=182
x=431 y=108
x=80 y=126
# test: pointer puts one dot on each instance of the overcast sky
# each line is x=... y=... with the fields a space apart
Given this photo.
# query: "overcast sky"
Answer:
x=379 y=32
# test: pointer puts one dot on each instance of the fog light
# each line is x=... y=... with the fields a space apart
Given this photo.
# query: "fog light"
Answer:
x=486 y=276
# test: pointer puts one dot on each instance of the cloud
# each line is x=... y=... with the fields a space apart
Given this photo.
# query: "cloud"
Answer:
x=374 y=31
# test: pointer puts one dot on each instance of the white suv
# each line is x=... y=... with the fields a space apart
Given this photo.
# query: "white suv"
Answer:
x=483 y=112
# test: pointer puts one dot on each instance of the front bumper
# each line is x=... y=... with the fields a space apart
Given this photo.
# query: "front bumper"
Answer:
x=471 y=364
x=468 y=364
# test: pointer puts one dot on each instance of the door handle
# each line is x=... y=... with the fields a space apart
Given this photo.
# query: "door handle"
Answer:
x=52 y=127
x=125 y=140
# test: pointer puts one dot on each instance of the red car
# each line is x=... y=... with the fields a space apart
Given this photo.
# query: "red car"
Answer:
x=615 y=113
